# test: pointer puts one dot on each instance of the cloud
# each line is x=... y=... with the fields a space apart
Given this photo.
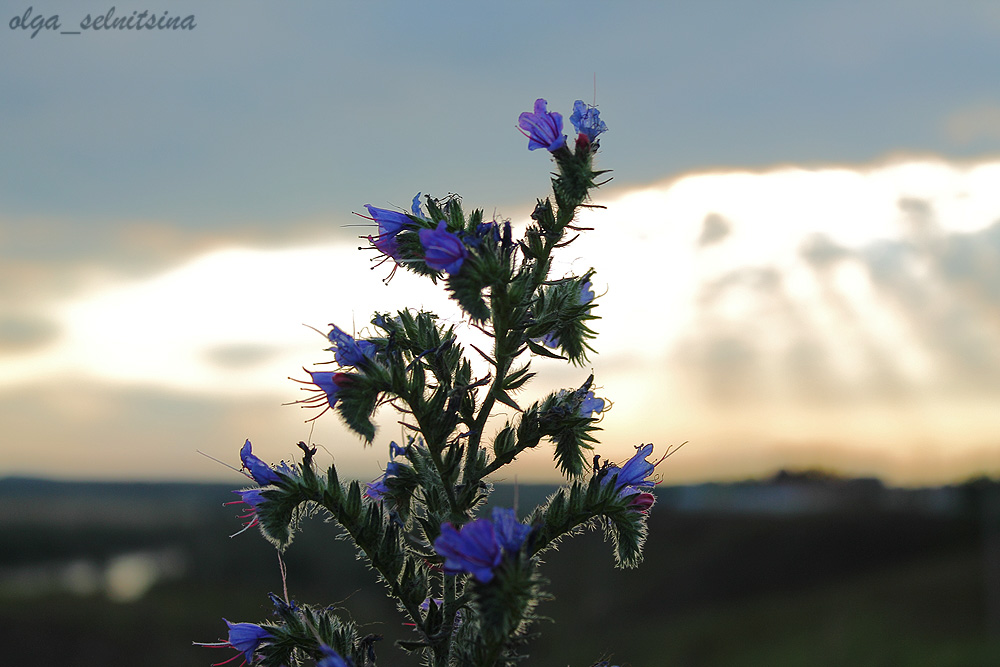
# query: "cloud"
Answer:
x=853 y=306
x=230 y=321
x=843 y=304
x=91 y=429
x=239 y=356
x=23 y=333
x=714 y=229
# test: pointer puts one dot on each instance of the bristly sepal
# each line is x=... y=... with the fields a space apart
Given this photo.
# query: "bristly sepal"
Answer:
x=588 y=505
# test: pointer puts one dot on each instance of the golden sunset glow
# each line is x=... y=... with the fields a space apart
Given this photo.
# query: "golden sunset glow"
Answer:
x=837 y=317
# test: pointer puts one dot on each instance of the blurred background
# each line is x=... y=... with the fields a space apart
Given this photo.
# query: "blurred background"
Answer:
x=798 y=270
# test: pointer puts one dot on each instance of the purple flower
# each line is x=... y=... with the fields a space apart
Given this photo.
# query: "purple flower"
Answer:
x=259 y=471
x=510 y=532
x=632 y=477
x=636 y=470
x=479 y=546
x=331 y=658
x=331 y=383
x=251 y=498
x=389 y=224
x=347 y=351
x=551 y=339
x=327 y=385
x=246 y=638
x=473 y=549
x=443 y=250
x=587 y=120
x=415 y=207
x=377 y=488
x=543 y=129
x=548 y=340
x=590 y=404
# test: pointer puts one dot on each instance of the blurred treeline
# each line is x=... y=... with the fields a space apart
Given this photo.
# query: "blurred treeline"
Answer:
x=800 y=570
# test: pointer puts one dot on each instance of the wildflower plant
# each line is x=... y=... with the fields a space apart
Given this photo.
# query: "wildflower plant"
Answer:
x=468 y=583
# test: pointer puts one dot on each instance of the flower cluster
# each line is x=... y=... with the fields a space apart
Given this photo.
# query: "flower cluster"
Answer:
x=478 y=547
x=440 y=249
x=468 y=584
x=544 y=128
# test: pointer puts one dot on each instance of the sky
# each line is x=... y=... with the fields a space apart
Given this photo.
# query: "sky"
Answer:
x=798 y=265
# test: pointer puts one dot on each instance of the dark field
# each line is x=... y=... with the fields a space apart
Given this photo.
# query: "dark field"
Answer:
x=798 y=571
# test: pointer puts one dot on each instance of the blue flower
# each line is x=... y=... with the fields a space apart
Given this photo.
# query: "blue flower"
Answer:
x=377 y=489
x=587 y=120
x=259 y=471
x=331 y=383
x=415 y=207
x=478 y=547
x=389 y=224
x=331 y=658
x=543 y=129
x=551 y=339
x=510 y=532
x=487 y=230
x=590 y=404
x=347 y=350
x=443 y=250
x=395 y=450
x=246 y=638
x=632 y=477
x=328 y=385
x=473 y=549
x=251 y=498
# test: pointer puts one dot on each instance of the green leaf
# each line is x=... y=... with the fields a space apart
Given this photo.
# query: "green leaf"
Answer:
x=517 y=379
x=543 y=351
x=502 y=397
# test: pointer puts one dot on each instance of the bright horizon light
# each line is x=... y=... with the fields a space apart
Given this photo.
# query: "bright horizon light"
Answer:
x=749 y=312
